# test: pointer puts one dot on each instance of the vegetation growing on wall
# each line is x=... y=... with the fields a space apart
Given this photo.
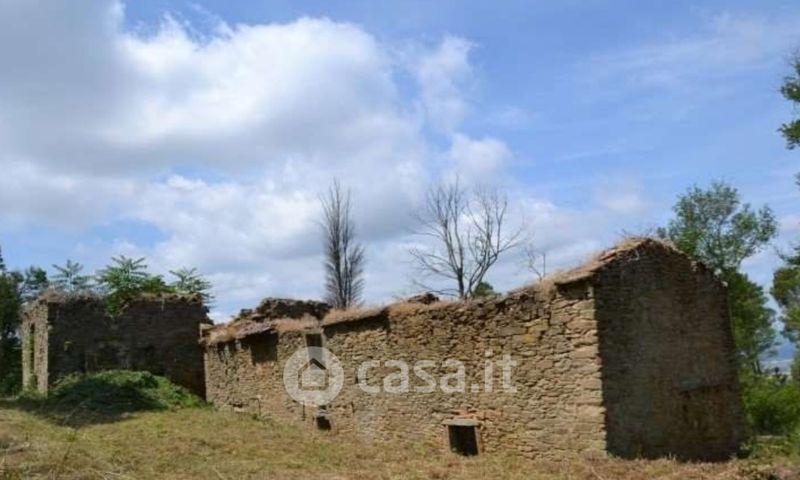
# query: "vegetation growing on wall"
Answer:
x=119 y=282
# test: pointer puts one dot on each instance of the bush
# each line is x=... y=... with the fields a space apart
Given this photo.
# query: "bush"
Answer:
x=117 y=391
x=772 y=405
x=10 y=368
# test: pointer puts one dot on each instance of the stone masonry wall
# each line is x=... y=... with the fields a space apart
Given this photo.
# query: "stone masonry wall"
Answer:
x=247 y=375
x=630 y=354
x=669 y=372
x=154 y=333
x=557 y=404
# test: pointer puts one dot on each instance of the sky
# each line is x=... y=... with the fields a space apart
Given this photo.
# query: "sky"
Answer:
x=201 y=134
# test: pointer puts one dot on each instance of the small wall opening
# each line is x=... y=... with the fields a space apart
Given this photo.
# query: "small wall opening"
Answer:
x=314 y=340
x=314 y=348
x=463 y=439
x=323 y=423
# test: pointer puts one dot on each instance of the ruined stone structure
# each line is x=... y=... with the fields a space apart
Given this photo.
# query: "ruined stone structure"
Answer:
x=631 y=354
x=64 y=334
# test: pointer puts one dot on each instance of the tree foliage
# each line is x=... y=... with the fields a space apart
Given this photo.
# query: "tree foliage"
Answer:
x=15 y=289
x=786 y=292
x=124 y=279
x=713 y=226
x=468 y=232
x=188 y=280
x=791 y=91
x=344 y=257
x=752 y=321
x=771 y=403
x=484 y=289
x=68 y=278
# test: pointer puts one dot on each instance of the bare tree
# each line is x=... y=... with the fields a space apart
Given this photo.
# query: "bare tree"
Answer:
x=467 y=229
x=344 y=258
x=536 y=261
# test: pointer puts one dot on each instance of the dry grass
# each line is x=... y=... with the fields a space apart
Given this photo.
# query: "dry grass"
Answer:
x=204 y=444
x=352 y=315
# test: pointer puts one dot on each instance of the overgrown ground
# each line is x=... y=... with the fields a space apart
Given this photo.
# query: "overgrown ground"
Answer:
x=132 y=425
x=200 y=443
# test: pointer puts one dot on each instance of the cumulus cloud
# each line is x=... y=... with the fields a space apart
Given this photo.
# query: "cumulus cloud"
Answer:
x=443 y=74
x=477 y=159
x=222 y=141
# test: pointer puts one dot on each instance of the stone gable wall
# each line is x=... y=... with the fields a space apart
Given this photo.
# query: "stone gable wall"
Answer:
x=157 y=334
x=669 y=370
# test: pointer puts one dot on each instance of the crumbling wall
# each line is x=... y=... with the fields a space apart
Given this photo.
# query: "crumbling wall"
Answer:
x=247 y=375
x=244 y=359
x=549 y=332
x=153 y=333
x=669 y=370
x=34 y=333
x=631 y=353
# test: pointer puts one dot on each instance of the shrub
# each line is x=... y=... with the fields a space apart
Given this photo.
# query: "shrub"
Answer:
x=116 y=391
x=772 y=405
x=10 y=368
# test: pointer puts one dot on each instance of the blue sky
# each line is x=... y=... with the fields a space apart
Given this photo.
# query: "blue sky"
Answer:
x=201 y=133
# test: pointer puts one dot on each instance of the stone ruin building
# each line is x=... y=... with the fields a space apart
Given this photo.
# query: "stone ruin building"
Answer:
x=64 y=334
x=631 y=354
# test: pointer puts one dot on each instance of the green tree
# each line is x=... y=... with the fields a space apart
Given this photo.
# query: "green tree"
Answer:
x=786 y=292
x=713 y=226
x=10 y=306
x=33 y=282
x=791 y=91
x=484 y=289
x=68 y=278
x=188 y=280
x=124 y=279
x=752 y=321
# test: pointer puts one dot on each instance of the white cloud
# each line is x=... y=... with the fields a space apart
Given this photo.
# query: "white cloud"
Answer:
x=728 y=44
x=477 y=160
x=443 y=74
x=622 y=196
x=222 y=142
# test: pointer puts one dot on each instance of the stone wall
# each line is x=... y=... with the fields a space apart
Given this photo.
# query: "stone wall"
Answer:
x=630 y=354
x=557 y=406
x=247 y=375
x=73 y=334
x=669 y=372
x=244 y=359
x=556 y=409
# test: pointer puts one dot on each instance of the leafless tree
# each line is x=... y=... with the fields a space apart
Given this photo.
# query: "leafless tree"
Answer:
x=344 y=257
x=468 y=234
x=536 y=261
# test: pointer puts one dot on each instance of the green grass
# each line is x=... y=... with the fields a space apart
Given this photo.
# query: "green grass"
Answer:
x=107 y=396
x=119 y=390
x=140 y=426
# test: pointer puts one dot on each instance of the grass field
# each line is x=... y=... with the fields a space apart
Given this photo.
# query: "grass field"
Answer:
x=200 y=443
